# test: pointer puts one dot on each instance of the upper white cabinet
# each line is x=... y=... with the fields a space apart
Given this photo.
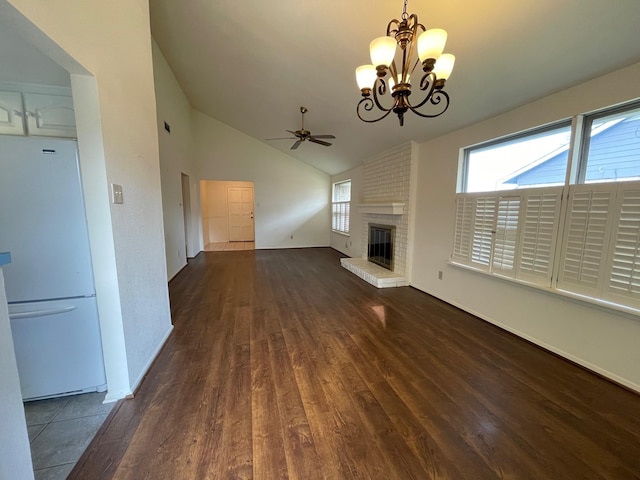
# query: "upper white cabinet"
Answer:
x=36 y=111
x=50 y=115
x=11 y=114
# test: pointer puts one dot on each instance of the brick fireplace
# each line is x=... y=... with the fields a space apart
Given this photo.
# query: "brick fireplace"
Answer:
x=386 y=200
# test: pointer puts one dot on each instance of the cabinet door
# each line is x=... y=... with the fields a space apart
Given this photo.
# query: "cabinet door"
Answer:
x=11 y=114
x=50 y=115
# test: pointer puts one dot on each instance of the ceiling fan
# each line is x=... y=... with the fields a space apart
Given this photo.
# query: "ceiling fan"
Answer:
x=302 y=135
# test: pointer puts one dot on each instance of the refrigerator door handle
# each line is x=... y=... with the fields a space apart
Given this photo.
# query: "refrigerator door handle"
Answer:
x=41 y=313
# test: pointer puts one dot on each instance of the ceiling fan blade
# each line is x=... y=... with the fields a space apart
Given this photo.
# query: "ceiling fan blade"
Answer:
x=292 y=133
x=296 y=145
x=282 y=138
x=321 y=142
x=323 y=136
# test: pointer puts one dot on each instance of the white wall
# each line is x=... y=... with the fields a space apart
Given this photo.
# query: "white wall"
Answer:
x=176 y=158
x=15 y=458
x=118 y=143
x=350 y=245
x=598 y=338
x=291 y=198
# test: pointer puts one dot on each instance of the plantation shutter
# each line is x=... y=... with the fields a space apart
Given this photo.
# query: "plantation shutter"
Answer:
x=541 y=214
x=624 y=278
x=483 y=224
x=506 y=235
x=585 y=241
x=463 y=228
x=341 y=214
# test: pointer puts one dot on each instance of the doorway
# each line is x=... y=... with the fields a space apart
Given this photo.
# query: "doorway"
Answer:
x=186 y=212
x=228 y=220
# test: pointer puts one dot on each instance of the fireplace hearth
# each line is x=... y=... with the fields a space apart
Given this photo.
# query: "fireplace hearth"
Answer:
x=380 y=247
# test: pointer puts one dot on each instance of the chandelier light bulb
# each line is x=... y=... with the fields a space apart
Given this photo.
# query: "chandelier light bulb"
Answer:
x=444 y=66
x=366 y=76
x=431 y=43
x=382 y=50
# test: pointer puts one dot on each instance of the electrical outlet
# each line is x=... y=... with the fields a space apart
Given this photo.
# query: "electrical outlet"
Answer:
x=439 y=274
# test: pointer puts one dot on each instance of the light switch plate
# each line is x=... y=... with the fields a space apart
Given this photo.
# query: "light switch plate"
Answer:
x=116 y=193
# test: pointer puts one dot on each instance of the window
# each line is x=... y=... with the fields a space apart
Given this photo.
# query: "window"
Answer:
x=612 y=147
x=341 y=206
x=510 y=224
x=527 y=160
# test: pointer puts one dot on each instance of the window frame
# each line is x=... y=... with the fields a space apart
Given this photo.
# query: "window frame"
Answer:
x=506 y=140
x=341 y=210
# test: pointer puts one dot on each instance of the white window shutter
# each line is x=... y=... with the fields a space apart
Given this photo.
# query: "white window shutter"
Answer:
x=340 y=220
x=506 y=235
x=483 y=224
x=463 y=228
x=541 y=213
x=586 y=235
x=347 y=217
x=624 y=278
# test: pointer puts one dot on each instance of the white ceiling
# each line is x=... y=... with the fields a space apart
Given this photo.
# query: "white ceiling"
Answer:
x=252 y=64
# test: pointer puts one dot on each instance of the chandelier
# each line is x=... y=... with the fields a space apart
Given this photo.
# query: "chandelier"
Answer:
x=436 y=67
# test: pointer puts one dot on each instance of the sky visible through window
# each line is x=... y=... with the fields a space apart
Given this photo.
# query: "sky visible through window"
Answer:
x=489 y=167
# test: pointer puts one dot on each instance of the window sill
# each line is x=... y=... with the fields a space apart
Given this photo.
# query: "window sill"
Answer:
x=603 y=304
x=344 y=234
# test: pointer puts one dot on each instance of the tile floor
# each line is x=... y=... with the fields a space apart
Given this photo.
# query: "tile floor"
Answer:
x=60 y=429
x=225 y=246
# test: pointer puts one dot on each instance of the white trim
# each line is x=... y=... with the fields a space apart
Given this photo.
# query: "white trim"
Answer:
x=588 y=365
x=113 y=396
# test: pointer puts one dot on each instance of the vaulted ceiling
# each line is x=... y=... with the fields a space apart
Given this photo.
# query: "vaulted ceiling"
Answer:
x=252 y=64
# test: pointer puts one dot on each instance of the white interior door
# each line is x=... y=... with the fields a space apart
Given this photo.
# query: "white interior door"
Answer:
x=240 y=208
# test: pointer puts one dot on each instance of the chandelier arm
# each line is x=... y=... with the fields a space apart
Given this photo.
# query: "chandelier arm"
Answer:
x=393 y=71
x=435 y=99
x=414 y=42
x=381 y=90
x=427 y=85
x=391 y=30
x=367 y=104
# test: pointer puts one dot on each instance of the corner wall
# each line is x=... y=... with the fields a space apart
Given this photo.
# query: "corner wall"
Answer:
x=598 y=338
x=15 y=457
x=176 y=158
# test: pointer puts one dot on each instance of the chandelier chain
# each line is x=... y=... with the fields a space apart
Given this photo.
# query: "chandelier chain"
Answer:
x=405 y=15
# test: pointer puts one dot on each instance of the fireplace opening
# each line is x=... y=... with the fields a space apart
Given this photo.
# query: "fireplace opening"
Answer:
x=380 y=249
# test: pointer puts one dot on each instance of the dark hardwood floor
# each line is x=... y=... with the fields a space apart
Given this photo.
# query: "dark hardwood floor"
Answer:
x=284 y=365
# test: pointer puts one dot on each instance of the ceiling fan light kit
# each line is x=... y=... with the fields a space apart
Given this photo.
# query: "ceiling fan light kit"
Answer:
x=409 y=35
x=302 y=135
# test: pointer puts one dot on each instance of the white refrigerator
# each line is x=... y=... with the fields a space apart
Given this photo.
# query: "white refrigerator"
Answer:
x=49 y=283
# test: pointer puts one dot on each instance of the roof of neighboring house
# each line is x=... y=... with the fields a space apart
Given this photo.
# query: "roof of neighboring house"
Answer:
x=614 y=152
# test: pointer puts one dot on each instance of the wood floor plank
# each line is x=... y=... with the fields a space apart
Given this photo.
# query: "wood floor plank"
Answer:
x=283 y=365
